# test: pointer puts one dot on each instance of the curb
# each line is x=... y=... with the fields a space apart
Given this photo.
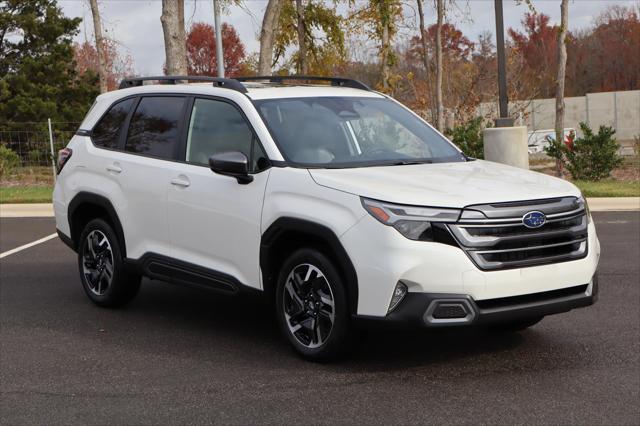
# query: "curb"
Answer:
x=613 y=204
x=26 y=210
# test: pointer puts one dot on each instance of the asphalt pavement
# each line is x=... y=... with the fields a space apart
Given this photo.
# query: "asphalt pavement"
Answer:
x=176 y=355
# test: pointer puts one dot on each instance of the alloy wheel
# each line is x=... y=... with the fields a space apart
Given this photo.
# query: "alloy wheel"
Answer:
x=308 y=303
x=97 y=262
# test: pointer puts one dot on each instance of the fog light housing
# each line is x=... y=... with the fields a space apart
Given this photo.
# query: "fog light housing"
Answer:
x=398 y=294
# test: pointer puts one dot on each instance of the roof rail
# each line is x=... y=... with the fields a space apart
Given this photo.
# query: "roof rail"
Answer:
x=335 y=81
x=227 y=83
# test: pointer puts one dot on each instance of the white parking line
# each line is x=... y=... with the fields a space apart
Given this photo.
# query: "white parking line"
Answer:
x=26 y=246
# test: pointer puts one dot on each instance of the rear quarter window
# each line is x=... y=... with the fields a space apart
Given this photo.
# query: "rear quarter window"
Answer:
x=106 y=133
x=155 y=125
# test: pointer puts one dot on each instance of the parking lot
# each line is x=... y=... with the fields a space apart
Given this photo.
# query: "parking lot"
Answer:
x=176 y=355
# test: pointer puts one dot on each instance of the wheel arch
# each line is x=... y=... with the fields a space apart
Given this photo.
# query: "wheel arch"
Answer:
x=86 y=206
x=288 y=234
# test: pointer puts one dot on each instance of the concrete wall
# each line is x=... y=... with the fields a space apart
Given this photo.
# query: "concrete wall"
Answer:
x=621 y=110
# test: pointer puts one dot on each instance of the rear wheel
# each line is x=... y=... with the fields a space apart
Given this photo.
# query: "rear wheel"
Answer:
x=518 y=325
x=101 y=266
x=312 y=306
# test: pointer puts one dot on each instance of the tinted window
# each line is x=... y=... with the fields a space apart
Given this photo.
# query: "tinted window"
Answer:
x=217 y=126
x=107 y=132
x=154 y=126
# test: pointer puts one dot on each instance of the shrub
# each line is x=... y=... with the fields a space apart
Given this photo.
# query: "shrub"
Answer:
x=468 y=137
x=9 y=160
x=593 y=157
x=37 y=157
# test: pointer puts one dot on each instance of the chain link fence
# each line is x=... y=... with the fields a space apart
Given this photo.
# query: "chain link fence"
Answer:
x=30 y=149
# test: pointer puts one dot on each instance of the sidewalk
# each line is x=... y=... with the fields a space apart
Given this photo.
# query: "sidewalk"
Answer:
x=595 y=205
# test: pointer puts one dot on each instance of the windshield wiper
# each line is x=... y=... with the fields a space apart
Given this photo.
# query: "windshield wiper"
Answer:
x=408 y=162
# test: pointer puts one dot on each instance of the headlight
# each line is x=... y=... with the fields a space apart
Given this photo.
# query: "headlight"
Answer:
x=413 y=222
x=583 y=202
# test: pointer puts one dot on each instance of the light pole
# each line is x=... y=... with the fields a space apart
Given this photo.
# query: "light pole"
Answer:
x=218 y=29
x=504 y=120
x=504 y=143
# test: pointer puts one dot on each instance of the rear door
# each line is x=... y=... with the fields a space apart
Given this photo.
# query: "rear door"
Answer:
x=214 y=222
x=150 y=149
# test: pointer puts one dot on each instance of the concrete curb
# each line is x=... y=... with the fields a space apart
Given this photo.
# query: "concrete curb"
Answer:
x=612 y=204
x=26 y=210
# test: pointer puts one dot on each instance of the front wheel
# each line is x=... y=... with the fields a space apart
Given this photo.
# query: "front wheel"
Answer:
x=311 y=305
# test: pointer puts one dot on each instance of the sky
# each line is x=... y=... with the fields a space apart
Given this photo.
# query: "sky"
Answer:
x=135 y=25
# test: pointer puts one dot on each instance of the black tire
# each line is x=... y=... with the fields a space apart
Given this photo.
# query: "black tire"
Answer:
x=517 y=325
x=102 y=272
x=315 y=340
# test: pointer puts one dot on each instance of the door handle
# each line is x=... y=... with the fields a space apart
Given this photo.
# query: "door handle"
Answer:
x=180 y=182
x=114 y=168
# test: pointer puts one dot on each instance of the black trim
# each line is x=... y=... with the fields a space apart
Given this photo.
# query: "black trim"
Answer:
x=225 y=83
x=165 y=268
x=283 y=230
x=280 y=79
x=84 y=132
x=413 y=309
x=66 y=240
x=88 y=198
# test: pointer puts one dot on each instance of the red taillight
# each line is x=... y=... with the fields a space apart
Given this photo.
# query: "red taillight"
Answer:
x=63 y=156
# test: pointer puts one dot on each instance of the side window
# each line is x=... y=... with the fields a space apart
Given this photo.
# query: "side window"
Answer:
x=155 y=126
x=216 y=127
x=107 y=132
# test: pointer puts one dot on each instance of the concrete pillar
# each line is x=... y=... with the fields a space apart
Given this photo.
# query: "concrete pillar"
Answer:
x=507 y=145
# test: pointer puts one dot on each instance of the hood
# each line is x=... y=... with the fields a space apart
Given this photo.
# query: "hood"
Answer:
x=445 y=184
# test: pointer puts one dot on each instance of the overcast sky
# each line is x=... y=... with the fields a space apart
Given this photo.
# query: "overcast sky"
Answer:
x=136 y=24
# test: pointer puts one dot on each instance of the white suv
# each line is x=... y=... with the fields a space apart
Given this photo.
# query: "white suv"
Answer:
x=333 y=200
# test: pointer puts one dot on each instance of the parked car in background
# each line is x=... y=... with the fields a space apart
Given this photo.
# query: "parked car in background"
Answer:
x=538 y=140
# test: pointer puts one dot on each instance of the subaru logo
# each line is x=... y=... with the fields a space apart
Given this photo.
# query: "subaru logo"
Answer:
x=534 y=219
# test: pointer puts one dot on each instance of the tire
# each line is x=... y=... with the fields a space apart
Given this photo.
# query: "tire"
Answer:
x=102 y=271
x=518 y=325
x=311 y=306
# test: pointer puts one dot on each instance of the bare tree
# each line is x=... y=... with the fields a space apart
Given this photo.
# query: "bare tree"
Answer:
x=562 y=67
x=302 y=42
x=175 y=45
x=100 y=47
x=384 y=52
x=423 y=35
x=439 y=70
x=267 y=36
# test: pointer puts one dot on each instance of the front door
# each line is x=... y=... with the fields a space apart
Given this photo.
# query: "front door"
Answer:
x=214 y=222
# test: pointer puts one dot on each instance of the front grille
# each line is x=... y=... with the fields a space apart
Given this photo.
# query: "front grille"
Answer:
x=494 y=236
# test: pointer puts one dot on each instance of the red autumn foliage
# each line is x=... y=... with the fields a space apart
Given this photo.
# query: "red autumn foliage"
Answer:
x=118 y=65
x=537 y=48
x=201 y=50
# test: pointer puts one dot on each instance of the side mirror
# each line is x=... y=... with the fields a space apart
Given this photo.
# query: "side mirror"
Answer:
x=234 y=164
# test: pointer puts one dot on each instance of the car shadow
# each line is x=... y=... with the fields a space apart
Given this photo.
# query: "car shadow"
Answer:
x=245 y=322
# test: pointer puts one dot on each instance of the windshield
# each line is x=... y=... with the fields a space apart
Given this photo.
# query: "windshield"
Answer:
x=352 y=132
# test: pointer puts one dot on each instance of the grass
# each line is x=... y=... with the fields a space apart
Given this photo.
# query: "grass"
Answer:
x=609 y=188
x=25 y=194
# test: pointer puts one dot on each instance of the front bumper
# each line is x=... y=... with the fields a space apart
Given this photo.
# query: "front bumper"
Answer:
x=445 y=310
x=382 y=257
